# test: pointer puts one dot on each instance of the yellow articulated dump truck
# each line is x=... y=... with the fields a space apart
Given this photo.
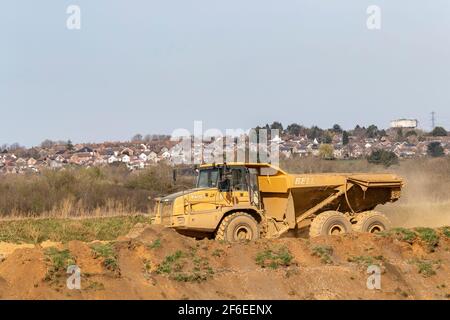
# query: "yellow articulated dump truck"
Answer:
x=247 y=201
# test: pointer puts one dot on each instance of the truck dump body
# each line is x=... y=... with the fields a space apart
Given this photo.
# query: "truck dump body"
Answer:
x=267 y=198
x=315 y=193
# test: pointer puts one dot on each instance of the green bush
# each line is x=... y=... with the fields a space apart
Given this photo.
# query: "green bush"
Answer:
x=446 y=231
x=274 y=258
x=108 y=253
x=383 y=157
x=435 y=149
x=401 y=234
x=185 y=267
x=59 y=261
x=324 y=253
x=429 y=236
x=424 y=267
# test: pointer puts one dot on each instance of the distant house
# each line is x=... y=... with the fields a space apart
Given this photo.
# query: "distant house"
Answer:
x=59 y=158
x=112 y=159
x=60 y=152
x=80 y=158
x=125 y=158
x=127 y=151
x=31 y=162
x=152 y=157
x=53 y=164
x=21 y=163
x=165 y=155
x=339 y=153
x=108 y=152
x=143 y=157
x=85 y=149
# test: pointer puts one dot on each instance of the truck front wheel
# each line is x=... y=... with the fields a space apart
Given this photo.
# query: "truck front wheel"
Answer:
x=329 y=223
x=238 y=226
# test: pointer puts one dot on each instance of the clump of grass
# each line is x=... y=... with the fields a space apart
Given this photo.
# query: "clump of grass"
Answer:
x=185 y=267
x=446 y=231
x=155 y=244
x=94 y=285
x=365 y=260
x=59 y=261
x=402 y=293
x=274 y=258
x=425 y=267
x=108 y=253
x=218 y=253
x=324 y=253
x=148 y=265
x=400 y=234
x=429 y=236
x=170 y=263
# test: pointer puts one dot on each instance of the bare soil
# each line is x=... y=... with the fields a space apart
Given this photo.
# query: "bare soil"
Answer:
x=152 y=262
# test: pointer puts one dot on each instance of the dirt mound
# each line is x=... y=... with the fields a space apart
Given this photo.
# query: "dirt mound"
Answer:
x=152 y=262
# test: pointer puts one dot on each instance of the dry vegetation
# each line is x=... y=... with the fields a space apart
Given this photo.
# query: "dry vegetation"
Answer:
x=81 y=192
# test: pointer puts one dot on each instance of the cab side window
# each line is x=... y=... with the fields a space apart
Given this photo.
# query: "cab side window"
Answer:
x=239 y=179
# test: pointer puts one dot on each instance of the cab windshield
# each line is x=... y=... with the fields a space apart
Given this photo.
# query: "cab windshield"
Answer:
x=207 y=178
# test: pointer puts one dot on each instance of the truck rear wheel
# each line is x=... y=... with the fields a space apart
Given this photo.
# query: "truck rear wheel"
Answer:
x=238 y=226
x=329 y=223
x=372 y=222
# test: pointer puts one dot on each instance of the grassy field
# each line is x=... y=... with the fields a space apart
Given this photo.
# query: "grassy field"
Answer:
x=64 y=230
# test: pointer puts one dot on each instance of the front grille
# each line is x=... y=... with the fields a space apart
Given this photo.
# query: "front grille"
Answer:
x=166 y=211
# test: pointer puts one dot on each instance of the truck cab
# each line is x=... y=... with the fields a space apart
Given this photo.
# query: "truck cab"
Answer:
x=220 y=190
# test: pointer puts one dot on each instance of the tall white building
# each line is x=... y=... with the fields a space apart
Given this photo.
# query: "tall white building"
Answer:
x=404 y=123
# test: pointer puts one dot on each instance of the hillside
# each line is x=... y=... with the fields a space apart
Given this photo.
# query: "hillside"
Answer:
x=157 y=263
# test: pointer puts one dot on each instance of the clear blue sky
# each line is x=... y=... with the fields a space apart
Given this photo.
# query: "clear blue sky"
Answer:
x=152 y=66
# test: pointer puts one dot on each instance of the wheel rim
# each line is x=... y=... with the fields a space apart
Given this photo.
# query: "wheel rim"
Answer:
x=336 y=229
x=243 y=232
x=374 y=228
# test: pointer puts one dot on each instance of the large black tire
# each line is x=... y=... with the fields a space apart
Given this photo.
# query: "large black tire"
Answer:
x=329 y=223
x=238 y=226
x=372 y=222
